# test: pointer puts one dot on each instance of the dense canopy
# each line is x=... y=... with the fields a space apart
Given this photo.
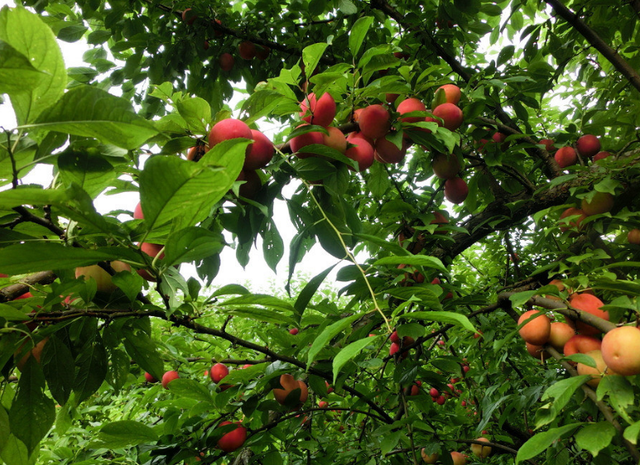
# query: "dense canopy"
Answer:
x=471 y=166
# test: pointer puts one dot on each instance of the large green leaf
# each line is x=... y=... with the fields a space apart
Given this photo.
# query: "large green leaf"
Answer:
x=172 y=189
x=142 y=349
x=32 y=196
x=43 y=256
x=122 y=434
x=541 y=441
x=309 y=290
x=17 y=74
x=443 y=317
x=91 y=112
x=327 y=334
x=32 y=412
x=192 y=244
x=413 y=260
x=349 y=352
x=92 y=368
x=92 y=172
x=57 y=365
x=30 y=36
x=358 y=33
x=561 y=393
x=595 y=437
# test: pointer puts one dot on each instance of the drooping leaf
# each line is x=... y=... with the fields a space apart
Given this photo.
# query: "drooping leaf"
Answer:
x=92 y=368
x=326 y=335
x=58 y=365
x=32 y=412
x=349 y=352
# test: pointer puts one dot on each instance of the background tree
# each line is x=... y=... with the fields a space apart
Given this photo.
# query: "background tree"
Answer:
x=465 y=201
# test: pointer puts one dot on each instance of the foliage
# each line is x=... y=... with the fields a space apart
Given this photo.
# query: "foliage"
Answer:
x=153 y=87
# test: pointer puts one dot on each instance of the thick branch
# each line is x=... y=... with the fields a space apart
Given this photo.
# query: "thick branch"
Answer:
x=568 y=311
x=16 y=290
x=594 y=39
x=480 y=226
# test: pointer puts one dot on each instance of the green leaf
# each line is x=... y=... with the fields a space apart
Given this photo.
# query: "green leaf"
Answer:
x=142 y=349
x=349 y=352
x=620 y=392
x=390 y=441
x=311 y=56
x=413 y=260
x=309 y=290
x=32 y=257
x=32 y=196
x=561 y=392
x=5 y=428
x=14 y=452
x=347 y=7
x=185 y=192
x=30 y=36
x=92 y=369
x=443 y=317
x=594 y=438
x=632 y=432
x=519 y=299
x=196 y=112
x=91 y=112
x=272 y=245
x=124 y=433
x=541 y=441
x=11 y=314
x=32 y=412
x=327 y=334
x=358 y=33
x=57 y=365
x=259 y=299
x=190 y=389
x=190 y=244
x=91 y=172
x=17 y=74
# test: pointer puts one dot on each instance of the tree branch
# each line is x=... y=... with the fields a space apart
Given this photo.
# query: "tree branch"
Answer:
x=594 y=39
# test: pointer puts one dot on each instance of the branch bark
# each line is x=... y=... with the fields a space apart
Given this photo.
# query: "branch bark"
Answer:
x=596 y=41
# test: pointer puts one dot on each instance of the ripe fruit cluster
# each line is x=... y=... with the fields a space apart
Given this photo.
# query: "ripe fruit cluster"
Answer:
x=373 y=141
x=617 y=353
x=258 y=154
x=397 y=344
x=587 y=146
